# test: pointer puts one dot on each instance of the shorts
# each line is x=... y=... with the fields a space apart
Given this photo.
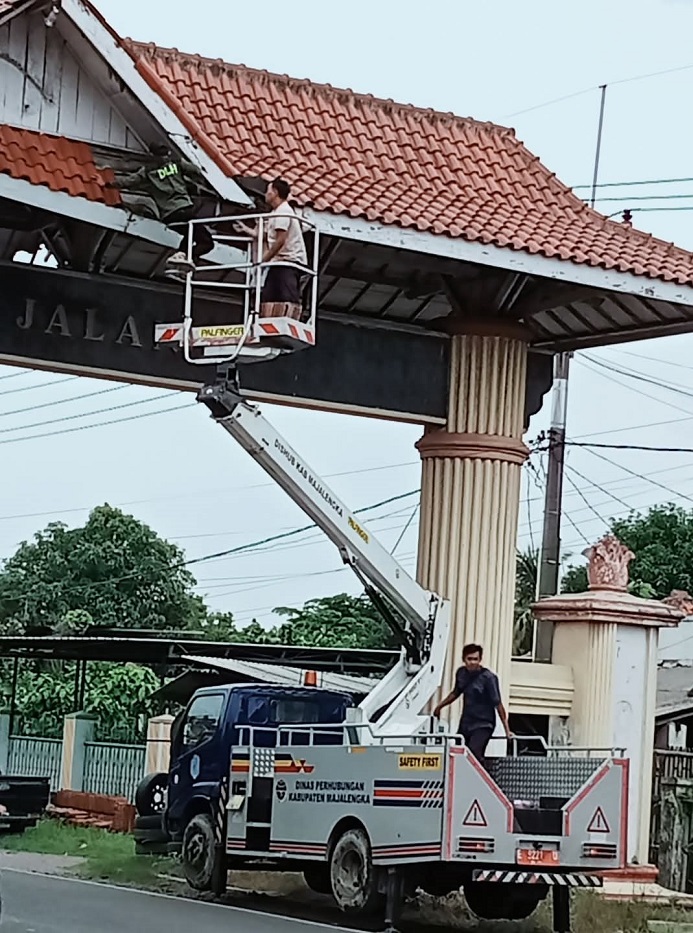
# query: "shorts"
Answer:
x=282 y=284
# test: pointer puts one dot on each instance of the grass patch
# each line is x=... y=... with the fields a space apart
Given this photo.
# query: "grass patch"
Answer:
x=107 y=856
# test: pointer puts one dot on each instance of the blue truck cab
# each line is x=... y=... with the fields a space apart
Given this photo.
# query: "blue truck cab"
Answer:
x=219 y=719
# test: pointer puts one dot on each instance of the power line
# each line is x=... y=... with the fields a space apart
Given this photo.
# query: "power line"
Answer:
x=656 y=450
x=60 y=401
x=41 y=385
x=587 y=90
x=638 y=427
x=99 y=424
x=212 y=493
x=627 y=184
x=652 y=359
x=648 y=479
x=636 y=198
x=87 y=414
x=567 y=515
x=652 y=398
x=606 y=492
x=406 y=528
x=639 y=377
x=220 y=554
x=606 y=503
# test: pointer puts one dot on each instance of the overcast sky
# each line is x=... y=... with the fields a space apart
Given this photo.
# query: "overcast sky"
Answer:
x=500 y=61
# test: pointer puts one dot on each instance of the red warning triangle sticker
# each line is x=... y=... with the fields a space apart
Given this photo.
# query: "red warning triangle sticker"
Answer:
x=598 y=823
x=475 y=816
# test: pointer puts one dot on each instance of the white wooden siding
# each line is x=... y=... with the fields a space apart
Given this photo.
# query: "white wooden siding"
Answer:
x=43 y=87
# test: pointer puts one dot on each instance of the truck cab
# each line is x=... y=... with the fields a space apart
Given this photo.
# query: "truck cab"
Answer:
x=218 y=720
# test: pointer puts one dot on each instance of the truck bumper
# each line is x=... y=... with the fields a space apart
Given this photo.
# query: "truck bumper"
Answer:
x=562 y=879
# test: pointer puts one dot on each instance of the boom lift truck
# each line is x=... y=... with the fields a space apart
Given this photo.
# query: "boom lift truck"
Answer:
x=325 y=793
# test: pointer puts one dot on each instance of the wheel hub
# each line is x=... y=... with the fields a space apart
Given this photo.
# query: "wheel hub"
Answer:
x=196 y=850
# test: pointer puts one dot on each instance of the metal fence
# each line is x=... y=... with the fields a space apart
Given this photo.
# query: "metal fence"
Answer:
x=36 y=757
x=113 y=769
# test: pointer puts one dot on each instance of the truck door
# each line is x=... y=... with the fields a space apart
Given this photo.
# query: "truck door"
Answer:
x=198 y=761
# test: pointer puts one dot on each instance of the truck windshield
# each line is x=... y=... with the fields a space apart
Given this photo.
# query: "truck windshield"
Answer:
x=202 y=719
x=265 y=710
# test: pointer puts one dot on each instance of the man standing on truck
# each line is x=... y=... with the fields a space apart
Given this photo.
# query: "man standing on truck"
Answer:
x=482 y=700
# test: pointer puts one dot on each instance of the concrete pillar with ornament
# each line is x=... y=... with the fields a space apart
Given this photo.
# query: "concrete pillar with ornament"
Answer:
x=471 y=471
x=609 y=639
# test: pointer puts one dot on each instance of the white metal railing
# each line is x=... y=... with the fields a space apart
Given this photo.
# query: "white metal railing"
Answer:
x=253 y=271
x=36 y=757
x=350 y=733
x=112 y=768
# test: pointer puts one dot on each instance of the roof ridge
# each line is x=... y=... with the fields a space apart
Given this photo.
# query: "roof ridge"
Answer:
x=385 y=102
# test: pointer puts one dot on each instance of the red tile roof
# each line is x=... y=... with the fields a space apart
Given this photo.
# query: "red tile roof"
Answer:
x=58 y=163
x=393 y=163
x=7 y=6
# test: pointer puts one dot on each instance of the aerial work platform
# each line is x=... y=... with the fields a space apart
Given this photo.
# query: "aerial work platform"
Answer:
x=235 y=269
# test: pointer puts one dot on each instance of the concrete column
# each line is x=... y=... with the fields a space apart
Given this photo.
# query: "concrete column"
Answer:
x=78 y=729
x=470 y=495
x=609 y=638
x=158 y=744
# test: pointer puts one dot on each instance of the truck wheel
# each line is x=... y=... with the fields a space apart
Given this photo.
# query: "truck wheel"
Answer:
x=518 y=902
x=352 y=875
x=150 y=796
x=204 y=865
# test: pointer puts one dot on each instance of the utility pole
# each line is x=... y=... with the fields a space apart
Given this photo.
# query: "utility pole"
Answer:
x=550 y=557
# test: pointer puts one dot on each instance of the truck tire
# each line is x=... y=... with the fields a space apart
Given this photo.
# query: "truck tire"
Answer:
x=204 y=864
x=518 y=902
x=150 y=796
x=352 y=875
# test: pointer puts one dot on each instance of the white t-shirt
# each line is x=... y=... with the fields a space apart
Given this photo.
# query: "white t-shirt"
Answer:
x=294 y=249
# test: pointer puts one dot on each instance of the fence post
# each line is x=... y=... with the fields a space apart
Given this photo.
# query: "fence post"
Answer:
x=158 y=744
x=4 y=742
x=78 y=729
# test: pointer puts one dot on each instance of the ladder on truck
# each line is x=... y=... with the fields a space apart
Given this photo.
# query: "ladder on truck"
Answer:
x=236 y=331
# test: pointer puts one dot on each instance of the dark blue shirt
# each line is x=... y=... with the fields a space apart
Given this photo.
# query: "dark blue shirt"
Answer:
x=481 y=692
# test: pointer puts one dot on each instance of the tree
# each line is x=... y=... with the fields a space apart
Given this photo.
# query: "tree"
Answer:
x=117 y=695
x=114 y=571
x=527 y=563
x=662 y=541
x=340 y=621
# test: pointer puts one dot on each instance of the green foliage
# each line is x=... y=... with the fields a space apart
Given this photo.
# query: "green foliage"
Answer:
x=219 y=626
x=340 y=621
x=117 y=695
x=662 y=541
x=527 y=563
x=114 y=571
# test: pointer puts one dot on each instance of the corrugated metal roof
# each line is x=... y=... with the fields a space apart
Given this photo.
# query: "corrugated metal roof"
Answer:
x=285 y=676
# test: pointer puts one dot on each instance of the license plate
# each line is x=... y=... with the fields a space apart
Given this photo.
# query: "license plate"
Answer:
x=541 y=857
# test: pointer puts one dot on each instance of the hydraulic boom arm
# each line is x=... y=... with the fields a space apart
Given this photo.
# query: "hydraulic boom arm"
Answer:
x=400 y=697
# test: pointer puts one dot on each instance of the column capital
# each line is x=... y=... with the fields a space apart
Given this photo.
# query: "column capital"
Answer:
x=458 y=326
x=441 y=444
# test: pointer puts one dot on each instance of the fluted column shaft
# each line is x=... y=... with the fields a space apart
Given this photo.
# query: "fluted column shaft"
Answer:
x=470 y=496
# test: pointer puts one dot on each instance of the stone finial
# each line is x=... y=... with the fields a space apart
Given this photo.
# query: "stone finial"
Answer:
x=608 y=564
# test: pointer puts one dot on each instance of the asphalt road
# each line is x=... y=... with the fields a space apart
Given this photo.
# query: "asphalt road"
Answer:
x=34 y=903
